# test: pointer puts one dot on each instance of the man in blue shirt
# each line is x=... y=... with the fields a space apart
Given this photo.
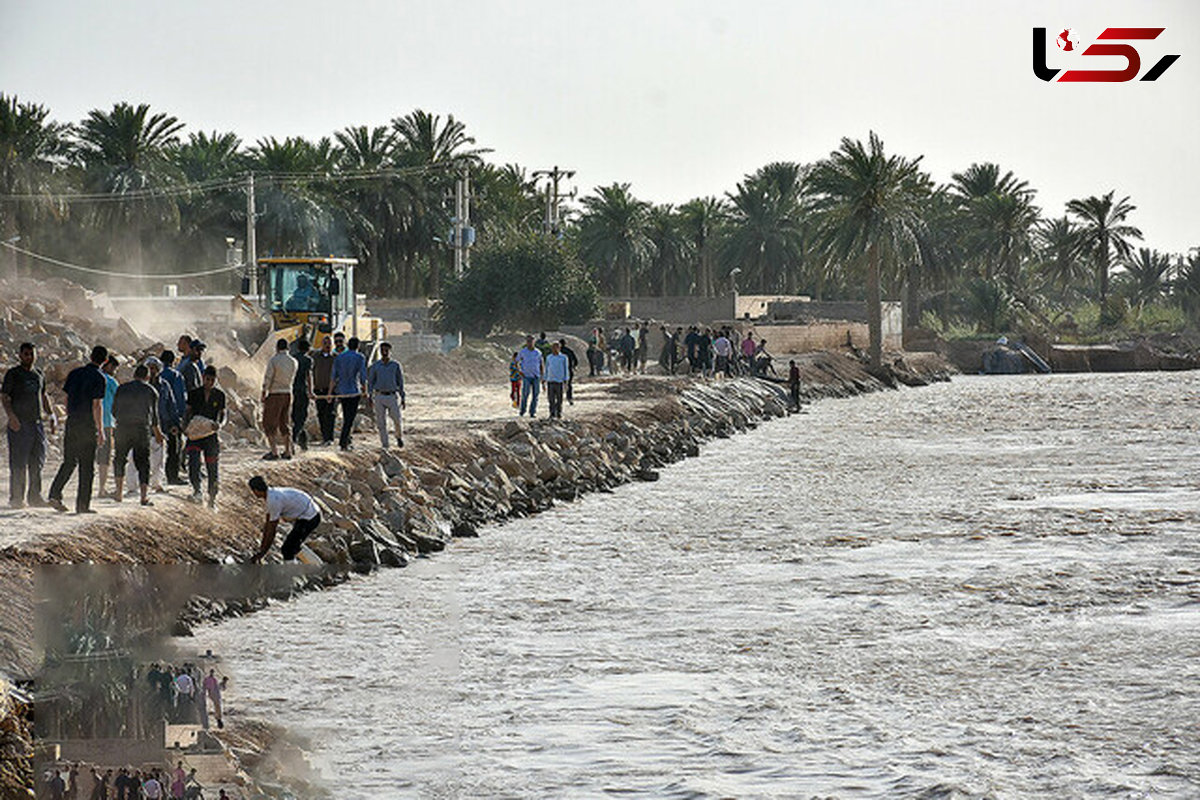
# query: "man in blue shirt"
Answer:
x=105 y=446
x=529 y=362
x=172 y=405
x=349 y=382
x=84 y=429
x=385 y=382
x=558 y=372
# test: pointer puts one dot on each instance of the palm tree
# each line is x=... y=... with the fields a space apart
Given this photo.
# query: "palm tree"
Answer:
x=669 y=264
x=614 y=235
x=125 y=151
x=701 y=222
x=766 y=230
x=940 y=242
x=981 y=180
x=216 y=209
x=293 y=205
x=869 y=211
x=439 y=150
x=32 y=150
x=1103 y=232
x=1186 y=286
x=1058 y=247
x=1147 y=276
x=373 y=207
x=504 y=201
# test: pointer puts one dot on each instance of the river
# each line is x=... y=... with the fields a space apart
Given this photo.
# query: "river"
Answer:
x=988 y=588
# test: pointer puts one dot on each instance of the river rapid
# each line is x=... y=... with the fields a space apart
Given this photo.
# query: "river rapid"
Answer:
x=988 y=588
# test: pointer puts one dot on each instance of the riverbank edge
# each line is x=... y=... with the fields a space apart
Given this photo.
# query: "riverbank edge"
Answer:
x=382 y=510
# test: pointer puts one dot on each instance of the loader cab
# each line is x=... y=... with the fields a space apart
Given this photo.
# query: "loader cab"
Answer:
x=314 y=293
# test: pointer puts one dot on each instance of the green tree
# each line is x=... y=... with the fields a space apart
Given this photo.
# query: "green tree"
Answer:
x=1058 y=249
x=1146 y=277
x=125 y=152
x=869 y=207
x=216 y=209
x=614 y=236
x=667 y=272
x=525 y=281
x=373 y=206
x=766 y=234
x=1186 y=286
x=701 y=222
x=32 y=149
x=1103 y=233
x=437 y=150
x=292 y=200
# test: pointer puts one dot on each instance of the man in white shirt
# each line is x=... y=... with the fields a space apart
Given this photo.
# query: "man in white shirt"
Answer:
x=291 y=505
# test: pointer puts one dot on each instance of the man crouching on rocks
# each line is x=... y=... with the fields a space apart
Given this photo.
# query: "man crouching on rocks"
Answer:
x=288 y=504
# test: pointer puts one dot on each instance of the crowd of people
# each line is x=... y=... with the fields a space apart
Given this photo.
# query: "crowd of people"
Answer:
x=142 y=429
x=185 y=694
x=124 y=783
x=167 y=417
x=539 y=362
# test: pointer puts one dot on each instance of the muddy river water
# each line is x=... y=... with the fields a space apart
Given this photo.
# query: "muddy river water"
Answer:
x=989 y=588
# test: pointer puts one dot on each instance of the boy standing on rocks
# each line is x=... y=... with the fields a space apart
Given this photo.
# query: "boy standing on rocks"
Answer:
x=285 y=503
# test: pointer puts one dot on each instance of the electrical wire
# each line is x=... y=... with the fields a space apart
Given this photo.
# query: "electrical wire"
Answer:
x=228 y=183
x=111 y=274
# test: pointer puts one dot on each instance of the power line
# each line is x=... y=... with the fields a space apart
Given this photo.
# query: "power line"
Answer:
x=111 y=274
x=224 y=184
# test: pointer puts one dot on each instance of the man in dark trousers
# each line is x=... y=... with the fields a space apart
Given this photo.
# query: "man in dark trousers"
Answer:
x=794 y=384
x=84 y=430
x=322 y=372
x=25 y=400
x=302 y=389
x=172 y=404
x=284 y=503
x=206 y=406
x=135 y=411
x=349 y=384
x=573 y=362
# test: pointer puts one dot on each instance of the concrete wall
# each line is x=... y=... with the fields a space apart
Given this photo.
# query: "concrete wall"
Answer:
x=757 y=306
x=831 y=334
x=684 y=310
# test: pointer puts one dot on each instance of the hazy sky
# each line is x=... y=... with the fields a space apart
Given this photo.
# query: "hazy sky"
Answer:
x=679 y=99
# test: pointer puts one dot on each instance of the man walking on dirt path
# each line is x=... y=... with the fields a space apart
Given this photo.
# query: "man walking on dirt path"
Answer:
x=172 y=405
x=349 y=379
x=322 y=372
x=385 y=384
x=302 y=391
x=529 y=362
x=291 y=505
x=24 y=396
x=205 y=415
x=278 y=380
x=135 y=409
x=84 y=429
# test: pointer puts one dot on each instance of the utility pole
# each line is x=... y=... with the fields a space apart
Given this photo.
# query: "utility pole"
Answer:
x=464 y=234
x=251 y=243
x=551 y=224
